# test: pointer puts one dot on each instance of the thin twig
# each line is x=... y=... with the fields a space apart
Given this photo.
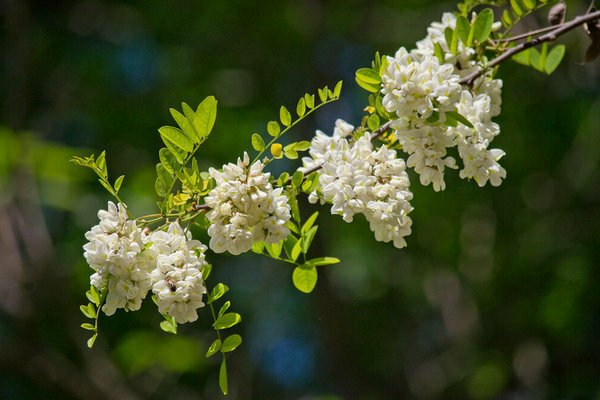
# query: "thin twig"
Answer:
x=532 y=33
x=548 y=37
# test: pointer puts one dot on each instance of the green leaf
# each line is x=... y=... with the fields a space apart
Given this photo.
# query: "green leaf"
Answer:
x=458 y=117
x=283 y=178
x=257 y=142
x=368 y=75
x=274 y=249
x=522 y=57
x=308 y=238
x=168 y=160
x=288 y=244
x=163 y=175
x=296 y=250
x=258 y=247
x=95 y=295
x=217 y=292
x=295 y=209
x=92 y=340
x=168 y=327
x=463 y=27
x=101 y=164
x=305 y=278
x=185 y=125
x=439 y=53
x=309 y=222
x=297 y=178
x=482 y=27
x=337 y=90
x=205 y=117
x=507 y=20
x=206 y=270
x=516 y=8
x=292 y=227
x=224 y=308
x=454 y=43
x=371 y=87
x=214 y=348
x=291 y=154
x=176 y=142
x=310 y=100
x=323 y=261
x=285 y=116
x=530 y=4
x=223 y=377
x=535 y=59
x=554 y=58
x=231 y=343
x=301 y=107
x=322 y=94
x=273 y=128
x=543 y=55
x=118 y=183
x=227 y=320
x=88 y=326
x=90 y=297
x=302 y=145
x=86 y=312
x=448 y=34
x=373 y=122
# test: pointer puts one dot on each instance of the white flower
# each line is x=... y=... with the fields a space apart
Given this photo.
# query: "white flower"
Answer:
x=116 y=252
x=427 y=146
x=463 y=60
x=415 y=87
x=480 y=163
x=177 y=281
x=245 y=208
x=358 y=180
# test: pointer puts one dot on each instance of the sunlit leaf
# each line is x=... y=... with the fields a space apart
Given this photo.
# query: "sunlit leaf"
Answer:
x=304 y=278
x=214 y=348
x=227 y=320
x=231 y=343
x=257 y=142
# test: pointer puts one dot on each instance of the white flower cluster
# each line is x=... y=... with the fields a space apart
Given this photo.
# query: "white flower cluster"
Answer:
x=245 y=208
x=420 y=91
x=130 y=262
x=358 y=179
x=177 y=280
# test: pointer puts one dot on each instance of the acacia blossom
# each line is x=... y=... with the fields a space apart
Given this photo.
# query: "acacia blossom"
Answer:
x=360 y=180
x=245 y=208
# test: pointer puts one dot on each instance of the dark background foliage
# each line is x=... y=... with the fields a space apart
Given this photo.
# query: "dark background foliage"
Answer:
x=496 y=295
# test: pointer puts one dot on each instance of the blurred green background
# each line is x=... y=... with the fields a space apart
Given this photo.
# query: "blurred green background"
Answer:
x=496 y=297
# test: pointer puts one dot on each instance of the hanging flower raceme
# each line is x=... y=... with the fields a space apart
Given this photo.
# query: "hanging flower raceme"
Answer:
x=357 y=179
x=129 y=262
x=420 y=90
x=177 y=281
x=245 y=208
x=116 y=252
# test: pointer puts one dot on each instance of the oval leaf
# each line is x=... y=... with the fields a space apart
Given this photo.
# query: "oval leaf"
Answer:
x=305 y=278
x=285 y=116
x=273 y=128
x=301 y=107
x=227 y=321
x=554 y=58
x=368 y=75
x=482 y=27
x=214 y=347
x=231 y=343
x=257 y=142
